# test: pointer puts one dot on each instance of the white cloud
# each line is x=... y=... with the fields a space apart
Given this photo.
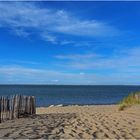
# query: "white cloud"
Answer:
x=76 y=56
x=65 y=42
x=121 y=61
x=19 y=74
x=20 y=16
x=49 y=38
x=55 y=80
x=82 y=73
x=20 y=32
x=14 y=70
x=22 y=75
x=18 y=62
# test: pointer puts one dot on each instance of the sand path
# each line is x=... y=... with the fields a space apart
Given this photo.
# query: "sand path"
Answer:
x=76 y=122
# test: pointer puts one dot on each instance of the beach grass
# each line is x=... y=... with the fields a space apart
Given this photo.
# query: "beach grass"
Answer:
x=131 y=99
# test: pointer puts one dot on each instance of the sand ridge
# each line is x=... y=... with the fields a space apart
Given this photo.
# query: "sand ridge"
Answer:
x=79 y=122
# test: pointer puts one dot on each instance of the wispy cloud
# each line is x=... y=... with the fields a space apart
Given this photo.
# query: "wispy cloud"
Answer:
x=26 y=75
x=22 y=75
x=76 y=56
x=21 y=17
x=121 y=61
x=18 y=62
x=123 y=67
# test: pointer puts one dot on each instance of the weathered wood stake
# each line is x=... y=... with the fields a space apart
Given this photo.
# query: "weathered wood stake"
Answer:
x=16 y=107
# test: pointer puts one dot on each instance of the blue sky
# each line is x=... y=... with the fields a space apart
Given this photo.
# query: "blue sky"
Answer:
x=88 y=43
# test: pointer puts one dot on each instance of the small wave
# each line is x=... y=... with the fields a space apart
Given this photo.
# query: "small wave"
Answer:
x=51 y=106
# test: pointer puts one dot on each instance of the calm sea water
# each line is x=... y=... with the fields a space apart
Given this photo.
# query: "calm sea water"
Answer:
x=70 y=95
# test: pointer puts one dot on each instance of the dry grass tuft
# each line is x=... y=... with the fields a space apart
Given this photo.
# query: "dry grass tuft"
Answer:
x=131 y=99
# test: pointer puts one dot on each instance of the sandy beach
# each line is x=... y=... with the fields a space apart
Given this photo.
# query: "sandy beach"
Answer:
x=76 y=122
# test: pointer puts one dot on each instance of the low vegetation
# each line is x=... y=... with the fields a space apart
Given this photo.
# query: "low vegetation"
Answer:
x=131 y=99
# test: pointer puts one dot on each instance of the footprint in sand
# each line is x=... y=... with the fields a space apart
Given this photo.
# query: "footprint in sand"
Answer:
x=94 y=134
x=80 y=135
x=106 y=136
x=73 y=131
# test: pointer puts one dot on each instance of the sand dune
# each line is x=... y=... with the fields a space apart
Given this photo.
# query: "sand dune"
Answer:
x=76 y=122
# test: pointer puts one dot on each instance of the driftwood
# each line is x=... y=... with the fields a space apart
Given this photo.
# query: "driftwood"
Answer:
x=16 y=107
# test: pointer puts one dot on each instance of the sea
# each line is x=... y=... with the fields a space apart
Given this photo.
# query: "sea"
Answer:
x=47 y=95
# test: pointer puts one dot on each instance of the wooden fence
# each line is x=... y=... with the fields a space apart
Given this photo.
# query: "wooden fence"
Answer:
x=16 y=107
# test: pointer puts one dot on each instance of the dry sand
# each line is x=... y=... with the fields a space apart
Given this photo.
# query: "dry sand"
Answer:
x=88 y=122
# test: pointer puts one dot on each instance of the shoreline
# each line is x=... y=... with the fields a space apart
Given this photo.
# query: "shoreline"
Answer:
x=65 y=105
x=76 y=122
x=72 y=108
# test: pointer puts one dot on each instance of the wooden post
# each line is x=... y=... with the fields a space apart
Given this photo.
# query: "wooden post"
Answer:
x=8 y=108
x=33 y=105
x=29 y=107
x=0 y=109
x=16 y=106
x=19 y=105
x=5 y=108
x=12 y=107
x=26 y=105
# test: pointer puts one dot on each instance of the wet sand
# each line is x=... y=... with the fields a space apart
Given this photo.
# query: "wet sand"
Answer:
x=87 y=122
